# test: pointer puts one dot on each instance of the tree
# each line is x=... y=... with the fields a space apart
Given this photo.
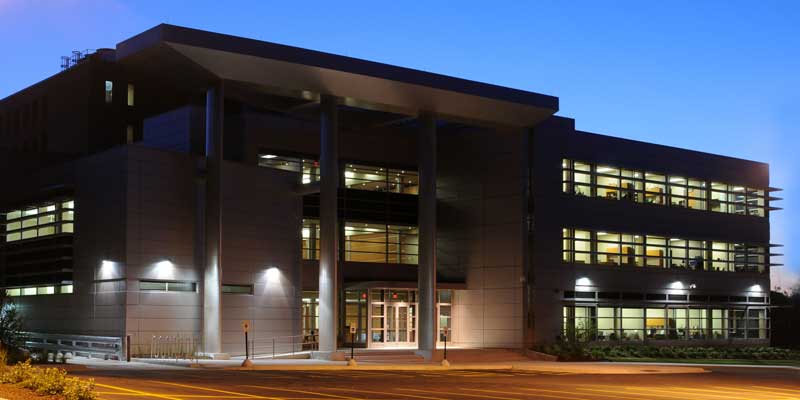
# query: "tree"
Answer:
x=11 y=323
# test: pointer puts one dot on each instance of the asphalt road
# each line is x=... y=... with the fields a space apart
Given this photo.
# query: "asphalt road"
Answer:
x=175 y=384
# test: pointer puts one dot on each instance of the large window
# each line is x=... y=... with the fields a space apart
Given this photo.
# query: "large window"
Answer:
x=380 y=179
x=657 y=322
x=310 y=235
x=39 y=290
x=624 y=249
x=610 y=182
x=167 y=286
x=308 y=168
x=310 y=315
x=379 y=243
x=40 y=220
x=355 y=176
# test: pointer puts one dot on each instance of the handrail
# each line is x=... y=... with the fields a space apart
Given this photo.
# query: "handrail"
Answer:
x=106 y=347
x=179 y=347
x=283 y=345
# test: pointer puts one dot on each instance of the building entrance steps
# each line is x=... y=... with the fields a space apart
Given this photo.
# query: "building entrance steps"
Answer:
x=403 y=356
x=387 y=356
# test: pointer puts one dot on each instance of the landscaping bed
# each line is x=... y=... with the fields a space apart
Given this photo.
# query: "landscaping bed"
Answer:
x=27 y=381
x=755 y=355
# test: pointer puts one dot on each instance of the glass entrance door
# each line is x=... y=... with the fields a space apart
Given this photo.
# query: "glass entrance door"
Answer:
x=392 y=323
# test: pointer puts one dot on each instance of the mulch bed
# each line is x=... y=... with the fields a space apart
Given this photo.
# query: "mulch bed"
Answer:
x=13 y=392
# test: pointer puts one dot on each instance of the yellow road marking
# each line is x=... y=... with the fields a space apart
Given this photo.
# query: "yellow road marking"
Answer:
x=649 y=392
x=679 y=390
x=389 y=393
x=526 y=394
x=777 y=388
x=459 y=394
x=247 y=395
x=138 y=392
x=617 y=392
x=736 y=389
x=615 y=395
x=301 y=391
x=759 y=391
x=193 y=396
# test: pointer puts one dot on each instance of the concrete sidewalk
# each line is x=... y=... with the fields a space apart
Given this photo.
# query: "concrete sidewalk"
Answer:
x=321 y=365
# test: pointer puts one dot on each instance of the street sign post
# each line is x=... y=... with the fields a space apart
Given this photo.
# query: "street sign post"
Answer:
x=246 y=329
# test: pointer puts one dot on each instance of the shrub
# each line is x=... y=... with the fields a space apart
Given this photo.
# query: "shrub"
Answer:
x=79 y=389
x=46 y=381
x=49 y=381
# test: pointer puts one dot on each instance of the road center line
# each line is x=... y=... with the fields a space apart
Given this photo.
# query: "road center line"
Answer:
x=527 y=394
x=247 y=395
x=389 y=393
x=302 y=391
x=461 y=394
x=138 y=392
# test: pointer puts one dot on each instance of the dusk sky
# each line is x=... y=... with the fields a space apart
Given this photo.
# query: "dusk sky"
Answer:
x=721 y=77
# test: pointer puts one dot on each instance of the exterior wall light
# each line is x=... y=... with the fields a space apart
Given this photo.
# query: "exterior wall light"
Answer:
x=583 y=282
x=756 y=288
x=164 y=269
x=273 y=274
x=107 y=269
x=677 y=285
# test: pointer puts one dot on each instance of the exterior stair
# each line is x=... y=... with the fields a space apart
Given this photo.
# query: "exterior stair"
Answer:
x=386 y=356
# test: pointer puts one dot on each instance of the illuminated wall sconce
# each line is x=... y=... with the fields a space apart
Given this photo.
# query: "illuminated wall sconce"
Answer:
x=107 y=269
x=677 y=285
x=164 y=269
x=756 y=288
x=273 y=274
x=583 y=282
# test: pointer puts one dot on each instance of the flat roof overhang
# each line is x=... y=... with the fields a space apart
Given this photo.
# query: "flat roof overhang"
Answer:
x=360 y=83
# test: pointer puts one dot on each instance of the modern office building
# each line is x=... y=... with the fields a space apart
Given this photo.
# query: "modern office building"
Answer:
x=187 y=181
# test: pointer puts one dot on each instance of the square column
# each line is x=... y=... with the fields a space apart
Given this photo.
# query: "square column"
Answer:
x=212 y=224
x=329 y=229
x=426 y=274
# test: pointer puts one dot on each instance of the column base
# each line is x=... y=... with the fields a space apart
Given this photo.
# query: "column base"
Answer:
x=218 y=356
x=328 y=355
x=430 y=355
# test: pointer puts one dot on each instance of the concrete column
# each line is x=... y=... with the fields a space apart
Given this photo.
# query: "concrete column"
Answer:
x=426 y=274
x=212 y=277
x=329 y=228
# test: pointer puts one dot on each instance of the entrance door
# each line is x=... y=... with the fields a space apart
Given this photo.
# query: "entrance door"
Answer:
x=396 y=327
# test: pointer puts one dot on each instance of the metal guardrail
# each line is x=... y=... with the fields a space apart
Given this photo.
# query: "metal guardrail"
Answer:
x=106 y=347
x=283 y=345
x=179 y=347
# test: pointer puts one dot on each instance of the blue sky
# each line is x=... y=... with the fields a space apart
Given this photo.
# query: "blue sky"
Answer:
x=721 y=77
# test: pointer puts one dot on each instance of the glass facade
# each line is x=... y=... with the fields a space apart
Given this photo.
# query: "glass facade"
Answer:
x=308 y=168
x=40 y=220
x=640 y=250
x=382 y=317
x=357 y=176
x=310 y=315
x=310 y=235
x=611 y=182
x=380 y=179
x=587 y=323
x=379 y=243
